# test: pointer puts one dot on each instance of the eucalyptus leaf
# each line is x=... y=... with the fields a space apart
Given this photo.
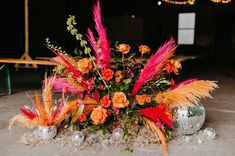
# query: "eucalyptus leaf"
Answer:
x=80 y=109
x=79 y=79
x=70 y=75
x=75 y=51
x=87 y=50
x=83 y=43
x=128 y=81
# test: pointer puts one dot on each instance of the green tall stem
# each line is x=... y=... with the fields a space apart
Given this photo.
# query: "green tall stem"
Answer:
x=99 y=73
x=142 y=55
x=123 y=60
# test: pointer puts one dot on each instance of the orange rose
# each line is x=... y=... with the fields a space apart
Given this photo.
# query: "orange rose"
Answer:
x=119 y=100
x=144 y=49
x=148 y=99
x=117 y=79
x=107 y=74
x=119 y=74
x=82 y=118
x=123 y=48
x=99 y=115
x=173 y=65
x=84 y=65
x=176 y=66
x=105 y=101
x=141 y=99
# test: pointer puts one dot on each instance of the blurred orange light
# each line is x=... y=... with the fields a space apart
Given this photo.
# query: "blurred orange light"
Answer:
x=191 y=2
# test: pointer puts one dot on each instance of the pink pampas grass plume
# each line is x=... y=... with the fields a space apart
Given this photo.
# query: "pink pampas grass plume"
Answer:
x=100 y=46
x=186 y=82
x=154 y=65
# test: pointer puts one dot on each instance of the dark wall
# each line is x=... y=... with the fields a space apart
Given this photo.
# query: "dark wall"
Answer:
x=214 y=24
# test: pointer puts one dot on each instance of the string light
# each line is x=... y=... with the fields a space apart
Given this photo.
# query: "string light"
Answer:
x=191 y=2
x=221 y=1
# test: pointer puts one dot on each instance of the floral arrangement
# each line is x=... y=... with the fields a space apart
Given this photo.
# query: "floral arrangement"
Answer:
x=112 y=88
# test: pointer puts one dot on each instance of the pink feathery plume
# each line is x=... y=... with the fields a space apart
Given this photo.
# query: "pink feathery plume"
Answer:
x=70 y=68
x=101 y=46
x=154 y=65
x=61 y=84
x=186 y=82
x=93 y=43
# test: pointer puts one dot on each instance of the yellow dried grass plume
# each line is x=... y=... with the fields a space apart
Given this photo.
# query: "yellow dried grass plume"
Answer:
x=187 y=95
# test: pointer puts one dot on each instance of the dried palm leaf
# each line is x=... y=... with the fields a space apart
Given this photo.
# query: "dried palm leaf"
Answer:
x=70 y=107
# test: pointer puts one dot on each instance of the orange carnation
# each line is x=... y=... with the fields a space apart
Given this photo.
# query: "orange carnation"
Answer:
x=105 y=101
x=107 y=74
x=119 y=100
x=144 y=49
x=82 y=117
x=99 y=115
x=141 y=99
x=84 y=65
x=123 y=48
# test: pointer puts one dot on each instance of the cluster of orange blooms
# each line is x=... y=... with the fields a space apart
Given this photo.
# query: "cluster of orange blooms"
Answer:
x=119 y=99
x=118 y=77
x=100 y=113
x=142 y=99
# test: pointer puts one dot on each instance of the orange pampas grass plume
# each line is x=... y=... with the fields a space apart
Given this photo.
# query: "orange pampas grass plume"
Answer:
x=188 y=93
x=47 y=93
x=158 y=133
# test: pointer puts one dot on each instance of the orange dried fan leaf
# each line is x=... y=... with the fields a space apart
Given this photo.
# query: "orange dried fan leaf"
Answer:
x=158 y=133
x=40 y=108
x=47 y=94
x=188 y=94
x=26 y=122
x=90 y=103
x=70 y=107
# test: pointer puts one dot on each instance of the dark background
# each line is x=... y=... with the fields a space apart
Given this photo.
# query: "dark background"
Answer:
x=214 y=30
x=152 y=25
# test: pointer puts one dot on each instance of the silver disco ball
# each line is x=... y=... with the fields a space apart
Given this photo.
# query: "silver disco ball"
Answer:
x=189 y=120
x=47 y=132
